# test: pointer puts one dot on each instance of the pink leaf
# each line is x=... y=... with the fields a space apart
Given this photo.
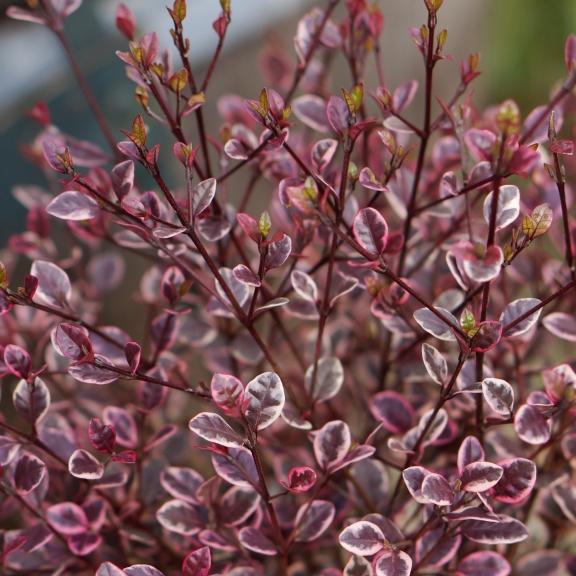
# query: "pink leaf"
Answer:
x=393 y=410
x=31 y=399
x=17 y=360
x=313 y=520
x=480 y=476
x=67 y=518
x=256 y=541
x=483 y=563
x=264 y=399
x=214 y=428
x=518 y=480
x=197 y=563
x=371 y=231
x=362 y=538
x=82 y=464
x=29 y=472
x=72 y=205
x=54 y=286
x=331 y=443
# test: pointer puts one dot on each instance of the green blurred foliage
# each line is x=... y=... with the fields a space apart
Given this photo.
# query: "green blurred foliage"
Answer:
x=524 y=52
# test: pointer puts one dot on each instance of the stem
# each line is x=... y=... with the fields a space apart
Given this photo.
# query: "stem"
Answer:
x=88 y=94
x=424 y=137
x=315 y=42
x=560 y=184
x=443 y=398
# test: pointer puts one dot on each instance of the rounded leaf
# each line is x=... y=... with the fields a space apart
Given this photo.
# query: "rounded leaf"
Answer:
x=82 y=464
x=264 y=399
x=371 y=231
x=362 y=538
x=73 y=205
x=213 y=428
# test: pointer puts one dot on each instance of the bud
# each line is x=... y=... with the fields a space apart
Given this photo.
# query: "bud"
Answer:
x=142 y=96
x=433 y=5
x=264 y=224
x=138 y=134
x=508 y=117
x=468 y=323
x=178 y=11
x=178 y=80
x=125 y=21
x=3 y=277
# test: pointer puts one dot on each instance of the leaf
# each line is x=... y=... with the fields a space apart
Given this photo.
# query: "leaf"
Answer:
x=301 y=479
x=499 y=395
x=470 y=451
x=516 y=309
x=102 y=436
x=508 y=208
x=531 y=426
x=54 y=286
x=180 y=517
x=72 y=341
x=122 y=177
x=538 y=222
x=67 y=518
x=31 y=400
x=124 y=424
x=561 y=325
x=313 y=520
x=254 y=540
x=435 y=364
x=237 y=467
x=304 y=285
x=480 y=476
x=73 y=205
x=227 y=392
x=332 y=443
x=197 y=562
x=329 y=379
x=264 y=398
x=564 y=495
x=404 y=95
x=338 y=115
x=29 y=471
x=362 y=538
x=238 y=504
x=371 y=231
x=181 y=483
x=17 y=360
x=485 y=267
x=84 y=544
x=278 y=252
x=109 y=569
x=213 y=428
x=436 y=490
x=93 y=373
x=518 y=480
x=311 y=111
x=142 y=570
x=82 y=464
x=243 y=274
x=203 y=194
x=393 y=410
x=430 y=323
x=507 y=531
x=393 y=563
x=358 y=566
x=414 y=477
x=483 y=563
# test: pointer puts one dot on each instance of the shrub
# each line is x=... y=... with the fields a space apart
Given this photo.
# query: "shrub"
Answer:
x=387 y=393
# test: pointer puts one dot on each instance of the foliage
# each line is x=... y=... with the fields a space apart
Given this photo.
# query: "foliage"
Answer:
x=386 y=396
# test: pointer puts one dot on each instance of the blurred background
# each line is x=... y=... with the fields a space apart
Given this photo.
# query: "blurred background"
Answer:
x=521 y=42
